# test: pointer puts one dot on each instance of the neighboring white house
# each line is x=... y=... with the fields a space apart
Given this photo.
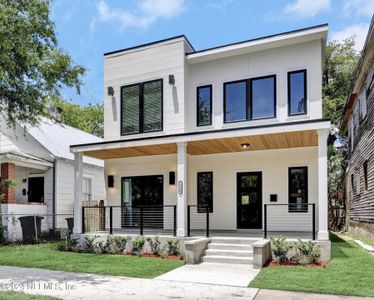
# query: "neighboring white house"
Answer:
x=40 y=161
x=239 y=125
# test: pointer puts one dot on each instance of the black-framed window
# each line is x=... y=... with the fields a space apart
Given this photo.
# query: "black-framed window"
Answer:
x=204 y=191
x=366 y=183
x=250 y=99
x=204 y=105
x=263 y=97
x=297 y=92
x=298 y=189
x=141 y=107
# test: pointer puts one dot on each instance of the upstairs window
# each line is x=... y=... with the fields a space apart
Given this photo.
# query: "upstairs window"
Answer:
x=250 y=99
x=141 y=106
x=262 y=95
x=236 y=101
x=363 y=105
x=298 y=189
x=297 y=93
x=204 y=105
x=86 y=188
x=204 y=191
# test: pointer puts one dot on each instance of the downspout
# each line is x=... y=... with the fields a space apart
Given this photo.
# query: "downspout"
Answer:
x=54 y=195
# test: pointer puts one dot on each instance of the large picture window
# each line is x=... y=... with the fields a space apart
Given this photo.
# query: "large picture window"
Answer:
x=204 y=105
x=250 y=99
x=141 y=106
x=298 y=189
x=204 y=191
x=297 y=93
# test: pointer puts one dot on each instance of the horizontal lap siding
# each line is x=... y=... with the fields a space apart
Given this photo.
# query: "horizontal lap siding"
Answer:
x=361 y=207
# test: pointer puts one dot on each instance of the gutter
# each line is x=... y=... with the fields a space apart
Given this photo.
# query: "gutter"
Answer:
x=54 y=194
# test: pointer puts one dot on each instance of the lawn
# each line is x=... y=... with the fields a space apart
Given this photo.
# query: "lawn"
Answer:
x=351 y=273
x=362 y=238
x=21 y=296
x=46 y=256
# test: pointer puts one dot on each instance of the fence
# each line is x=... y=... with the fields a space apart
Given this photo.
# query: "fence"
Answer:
x=150 y=219
x=293 y=219
x=36 y=228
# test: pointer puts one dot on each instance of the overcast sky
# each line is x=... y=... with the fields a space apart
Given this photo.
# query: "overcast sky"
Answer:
x=88 y=28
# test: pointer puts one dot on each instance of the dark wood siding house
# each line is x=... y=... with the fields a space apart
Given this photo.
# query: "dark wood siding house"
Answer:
x=358 y=125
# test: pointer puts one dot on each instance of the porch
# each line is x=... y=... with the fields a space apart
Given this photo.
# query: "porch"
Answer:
x=251 y=194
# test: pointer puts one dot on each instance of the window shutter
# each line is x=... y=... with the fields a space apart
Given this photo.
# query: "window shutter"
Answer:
x=130 y=108
x=152 y=93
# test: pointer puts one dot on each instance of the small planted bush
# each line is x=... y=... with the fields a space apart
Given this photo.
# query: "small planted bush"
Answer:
x=138 y=246
x=173 y=247
x=118 y=243
x=89 y=243
x=155 y=245
x=68 y=245
x=280 y=248
x=307 y=252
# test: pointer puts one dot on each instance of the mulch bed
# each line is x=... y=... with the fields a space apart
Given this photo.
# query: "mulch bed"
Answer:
x=173 y=257
x=274 y=264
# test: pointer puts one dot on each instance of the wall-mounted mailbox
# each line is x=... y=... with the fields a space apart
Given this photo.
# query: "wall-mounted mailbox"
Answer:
x=273 y=198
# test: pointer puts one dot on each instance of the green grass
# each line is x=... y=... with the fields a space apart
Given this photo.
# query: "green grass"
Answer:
x=362 y=238
x=46 y=256
x=22 y=296
x=351 y=273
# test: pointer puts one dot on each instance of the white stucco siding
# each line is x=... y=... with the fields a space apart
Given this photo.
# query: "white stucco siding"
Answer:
x=140 y=65
x=276 y=61
x=273 y=164
x=65 y=184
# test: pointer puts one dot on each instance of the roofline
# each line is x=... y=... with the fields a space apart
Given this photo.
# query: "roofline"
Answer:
x=357 y=72
x=261 y=38
x=203 y=132
x=216 y=47
x=151 y=43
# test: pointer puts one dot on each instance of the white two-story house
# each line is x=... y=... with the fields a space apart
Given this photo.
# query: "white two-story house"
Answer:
x=234 y=132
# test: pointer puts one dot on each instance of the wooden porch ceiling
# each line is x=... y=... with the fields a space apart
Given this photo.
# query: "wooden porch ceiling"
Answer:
x=220 y=145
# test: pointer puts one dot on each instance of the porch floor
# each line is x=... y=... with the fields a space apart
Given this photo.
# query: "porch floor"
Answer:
x=252 y=233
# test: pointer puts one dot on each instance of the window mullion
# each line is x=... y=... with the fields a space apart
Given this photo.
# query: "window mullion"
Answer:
x=141 y=108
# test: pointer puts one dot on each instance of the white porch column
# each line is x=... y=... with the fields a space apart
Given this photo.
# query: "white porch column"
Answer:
x=182 y=189
x=78 y=169
x=322 y=185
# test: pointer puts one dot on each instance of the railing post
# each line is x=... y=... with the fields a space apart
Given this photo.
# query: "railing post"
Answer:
x=83 y=220
x=207 y=221
x=314 y=220
x=36 y=229
x=110 y=219
x=265 y=221
x=141 y=220
x=188 y=220
x=175 y=220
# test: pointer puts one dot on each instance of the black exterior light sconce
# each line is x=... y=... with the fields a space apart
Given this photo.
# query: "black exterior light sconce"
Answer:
x=110 y=91
x=171 y=80
x=172 y=178
x=110 y=181
x=245 y=145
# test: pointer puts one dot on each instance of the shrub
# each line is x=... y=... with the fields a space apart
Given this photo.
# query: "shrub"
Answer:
x=307 y=251
x=173 y=247
x=89 y=243
x=118 y=243
x=68 y=245
x=102 y=246
x=280 y=248
x=138 y=246
x=155 y=245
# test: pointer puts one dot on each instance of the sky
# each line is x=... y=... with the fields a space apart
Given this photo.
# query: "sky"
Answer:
x=86 y=29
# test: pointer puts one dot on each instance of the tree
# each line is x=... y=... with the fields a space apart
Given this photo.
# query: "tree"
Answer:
x=339 y=70
x=89 y=118
x=33 y=68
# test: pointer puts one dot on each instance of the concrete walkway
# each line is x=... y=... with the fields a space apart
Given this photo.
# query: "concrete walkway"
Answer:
x=213 y=273
x=67 y=285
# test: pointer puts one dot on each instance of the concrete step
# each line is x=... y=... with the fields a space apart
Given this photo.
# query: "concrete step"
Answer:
x=233 y=240
x=226 y=246
x=227 y=259
x=231 y=253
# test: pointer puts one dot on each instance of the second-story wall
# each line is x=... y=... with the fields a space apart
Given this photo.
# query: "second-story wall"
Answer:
x=278 y=62
x=140 y=65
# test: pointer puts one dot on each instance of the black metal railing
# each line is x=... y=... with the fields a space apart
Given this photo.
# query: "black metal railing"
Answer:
x=291 y=219
x=151 y=219
x=198 y=219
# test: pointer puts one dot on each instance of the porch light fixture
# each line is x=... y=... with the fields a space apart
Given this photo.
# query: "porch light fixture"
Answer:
x=110 y=91
x=172 y=178
x=110 y=181
x=171 y=80
x=245 y=145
